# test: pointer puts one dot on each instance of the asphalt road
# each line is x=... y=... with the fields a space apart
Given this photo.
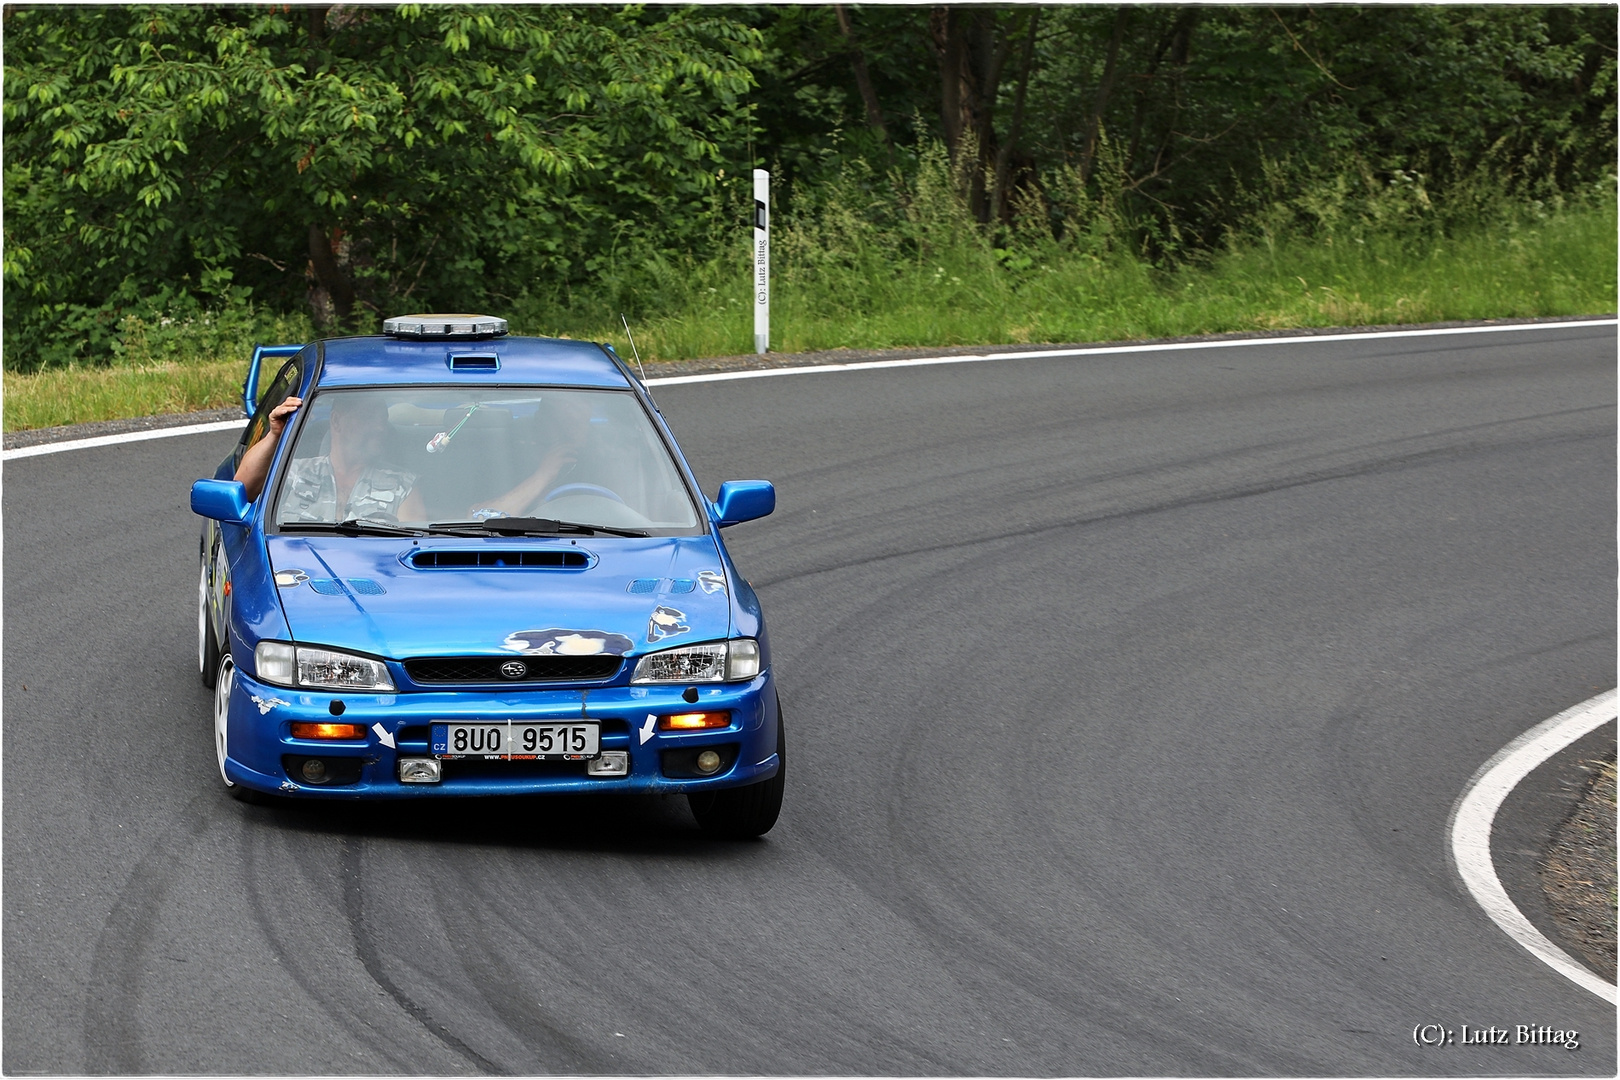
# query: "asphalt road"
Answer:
x=1127 y=698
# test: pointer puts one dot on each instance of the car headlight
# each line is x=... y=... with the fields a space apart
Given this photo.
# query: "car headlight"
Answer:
x=319 y=669
x=720 y=661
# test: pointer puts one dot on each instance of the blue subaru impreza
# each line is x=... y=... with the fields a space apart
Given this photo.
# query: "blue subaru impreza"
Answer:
x=449 y=561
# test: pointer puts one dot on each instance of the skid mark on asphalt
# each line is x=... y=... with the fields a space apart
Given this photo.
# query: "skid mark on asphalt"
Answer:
x=487 y=958
x=1418 y=459
x=305 y=928
x=1531 y=654
x=366 y=948
x=968 y=930
x=111 y=1030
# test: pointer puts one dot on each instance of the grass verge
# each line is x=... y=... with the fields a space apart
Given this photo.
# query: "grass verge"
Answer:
x=965 y=294
x=1578 y=874
x=80 y=395
x=841 y=282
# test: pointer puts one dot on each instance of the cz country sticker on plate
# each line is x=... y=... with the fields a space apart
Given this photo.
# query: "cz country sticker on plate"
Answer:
x=513 y=740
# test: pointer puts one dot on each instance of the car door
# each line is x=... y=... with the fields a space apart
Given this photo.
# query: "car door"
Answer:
x=223 y=543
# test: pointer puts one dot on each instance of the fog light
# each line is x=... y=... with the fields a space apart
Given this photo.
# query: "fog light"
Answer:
x=610 y=763
x=419 y=770
x=708 y=761
x=314 y=770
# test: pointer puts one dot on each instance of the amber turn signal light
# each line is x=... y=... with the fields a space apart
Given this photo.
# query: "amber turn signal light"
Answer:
x=314 y=729
x=695 y=721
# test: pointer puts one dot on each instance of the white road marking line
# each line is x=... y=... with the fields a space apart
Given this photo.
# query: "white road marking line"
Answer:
x=1475 y=812
x=1107 y=350
x=126 y=437
x=873 y=365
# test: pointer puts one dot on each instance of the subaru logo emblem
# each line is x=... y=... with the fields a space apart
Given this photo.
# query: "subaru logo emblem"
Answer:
x=514 y=669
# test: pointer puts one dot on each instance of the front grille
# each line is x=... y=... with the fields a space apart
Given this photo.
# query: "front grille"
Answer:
x=440 y=670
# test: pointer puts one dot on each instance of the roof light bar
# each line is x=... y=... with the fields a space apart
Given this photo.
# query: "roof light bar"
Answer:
x=444 y=326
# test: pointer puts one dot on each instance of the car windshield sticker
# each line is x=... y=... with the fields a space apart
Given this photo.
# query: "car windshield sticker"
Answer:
x=265 y=704
x=555 y=642
x=711 y=581
x=290 y=578
x=666 y=622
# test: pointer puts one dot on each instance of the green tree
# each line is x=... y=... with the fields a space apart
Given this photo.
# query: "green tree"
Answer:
x=1190 y=118
x=350 y=157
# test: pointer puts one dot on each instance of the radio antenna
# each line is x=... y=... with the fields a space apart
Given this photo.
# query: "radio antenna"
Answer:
x=633 y=350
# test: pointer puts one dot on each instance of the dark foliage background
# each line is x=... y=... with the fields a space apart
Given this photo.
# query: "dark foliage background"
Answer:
x=347 y=161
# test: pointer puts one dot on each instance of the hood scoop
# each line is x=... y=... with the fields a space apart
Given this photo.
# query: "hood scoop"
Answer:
x=442 y=559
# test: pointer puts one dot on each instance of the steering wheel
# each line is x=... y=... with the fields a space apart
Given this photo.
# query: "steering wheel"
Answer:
x=581 y=489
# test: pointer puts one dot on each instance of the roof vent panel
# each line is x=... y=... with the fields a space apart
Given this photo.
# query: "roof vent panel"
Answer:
x=485 y=361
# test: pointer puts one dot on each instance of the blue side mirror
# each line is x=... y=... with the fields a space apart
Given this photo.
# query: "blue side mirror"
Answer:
x=744 y=500
x=222 y=500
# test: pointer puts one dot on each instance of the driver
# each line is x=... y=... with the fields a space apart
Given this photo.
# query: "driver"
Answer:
x=350 y=481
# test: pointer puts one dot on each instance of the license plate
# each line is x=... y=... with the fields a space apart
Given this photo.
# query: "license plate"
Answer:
x=513 y=740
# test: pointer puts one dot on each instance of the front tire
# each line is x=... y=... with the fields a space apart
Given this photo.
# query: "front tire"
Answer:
x=742 y=813
x=224 y=684
x=208 y=652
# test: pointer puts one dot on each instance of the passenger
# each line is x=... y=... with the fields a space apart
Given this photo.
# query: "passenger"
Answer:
x=562 y=425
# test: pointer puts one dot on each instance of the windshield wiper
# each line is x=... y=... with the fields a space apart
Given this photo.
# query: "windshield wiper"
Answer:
x=526 y=526
x=352 y=527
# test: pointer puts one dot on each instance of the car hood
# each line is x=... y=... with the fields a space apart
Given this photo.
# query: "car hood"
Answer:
x=369 y=595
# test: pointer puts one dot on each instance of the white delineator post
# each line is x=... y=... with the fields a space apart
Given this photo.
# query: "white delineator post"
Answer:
x=762 y=261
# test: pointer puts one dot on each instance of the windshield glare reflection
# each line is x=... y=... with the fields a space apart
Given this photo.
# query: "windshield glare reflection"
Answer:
x=414 y=455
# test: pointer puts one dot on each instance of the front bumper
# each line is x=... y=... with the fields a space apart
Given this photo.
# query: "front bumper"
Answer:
x=260 y=742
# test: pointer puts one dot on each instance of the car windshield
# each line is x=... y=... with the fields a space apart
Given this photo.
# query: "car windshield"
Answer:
x=417 y=455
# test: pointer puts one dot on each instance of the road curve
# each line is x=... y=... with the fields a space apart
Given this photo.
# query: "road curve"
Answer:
x=1128 y=697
